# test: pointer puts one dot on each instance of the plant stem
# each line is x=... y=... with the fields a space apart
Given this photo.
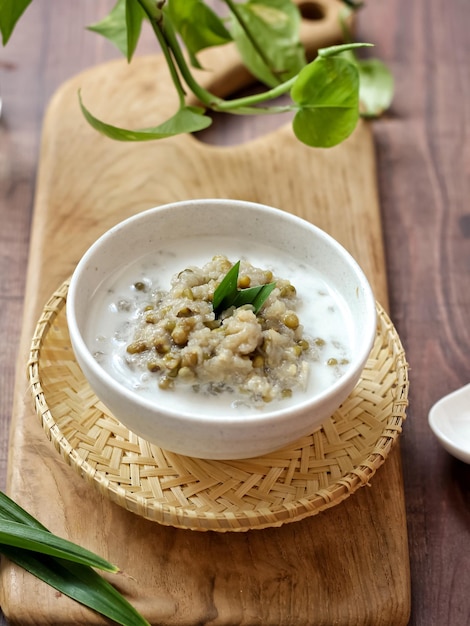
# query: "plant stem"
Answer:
x=249 y=101
x=155 y=17
x=171 y=42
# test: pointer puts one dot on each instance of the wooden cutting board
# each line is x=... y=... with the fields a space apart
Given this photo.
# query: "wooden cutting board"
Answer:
x=346 y=566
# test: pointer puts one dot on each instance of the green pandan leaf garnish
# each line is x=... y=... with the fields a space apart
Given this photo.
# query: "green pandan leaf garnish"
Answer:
x=228 y=294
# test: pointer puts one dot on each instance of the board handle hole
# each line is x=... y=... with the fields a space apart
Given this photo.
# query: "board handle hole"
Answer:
x=312 y=11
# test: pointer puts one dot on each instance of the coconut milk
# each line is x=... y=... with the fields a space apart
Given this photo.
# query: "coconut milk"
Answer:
x=116 y=304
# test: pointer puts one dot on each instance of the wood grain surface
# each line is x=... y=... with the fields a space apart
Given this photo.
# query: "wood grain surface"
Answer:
x=349 y=565
x=422 y=169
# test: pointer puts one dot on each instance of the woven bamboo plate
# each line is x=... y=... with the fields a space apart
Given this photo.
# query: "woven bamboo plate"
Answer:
x=313 y=474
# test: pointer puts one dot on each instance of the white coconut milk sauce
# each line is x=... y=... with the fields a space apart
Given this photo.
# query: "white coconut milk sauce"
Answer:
x=116 y=304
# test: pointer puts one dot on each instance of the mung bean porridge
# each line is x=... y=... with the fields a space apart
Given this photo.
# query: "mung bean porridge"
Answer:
x=153 y=328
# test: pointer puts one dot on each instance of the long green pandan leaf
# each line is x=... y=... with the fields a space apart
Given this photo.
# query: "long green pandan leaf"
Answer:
x=275 y=26
x=227 y=293
x=12 y=511
x=10 y=13
x=76 y=580
x=37 y=540
x=226 y=290
x=256 y=296
x=198 y=26
x=188 y=119
x=327 y=94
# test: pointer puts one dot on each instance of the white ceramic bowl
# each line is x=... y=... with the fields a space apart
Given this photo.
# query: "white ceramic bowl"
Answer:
x=449 y=419
x=204 y=434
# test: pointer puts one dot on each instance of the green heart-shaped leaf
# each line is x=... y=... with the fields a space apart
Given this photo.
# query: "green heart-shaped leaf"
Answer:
x=376 y=86
x=122 y=26
x=198 y=25
x=327 y=95
x=113 y=26
x=275 y=26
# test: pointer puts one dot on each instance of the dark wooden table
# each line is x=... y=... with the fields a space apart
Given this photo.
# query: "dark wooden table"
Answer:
x=423 y=158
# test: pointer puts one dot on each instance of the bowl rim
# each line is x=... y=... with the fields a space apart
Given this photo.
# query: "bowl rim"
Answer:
x=345 y=381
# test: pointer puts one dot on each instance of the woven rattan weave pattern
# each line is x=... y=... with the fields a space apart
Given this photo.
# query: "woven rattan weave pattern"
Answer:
x=314 y=473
